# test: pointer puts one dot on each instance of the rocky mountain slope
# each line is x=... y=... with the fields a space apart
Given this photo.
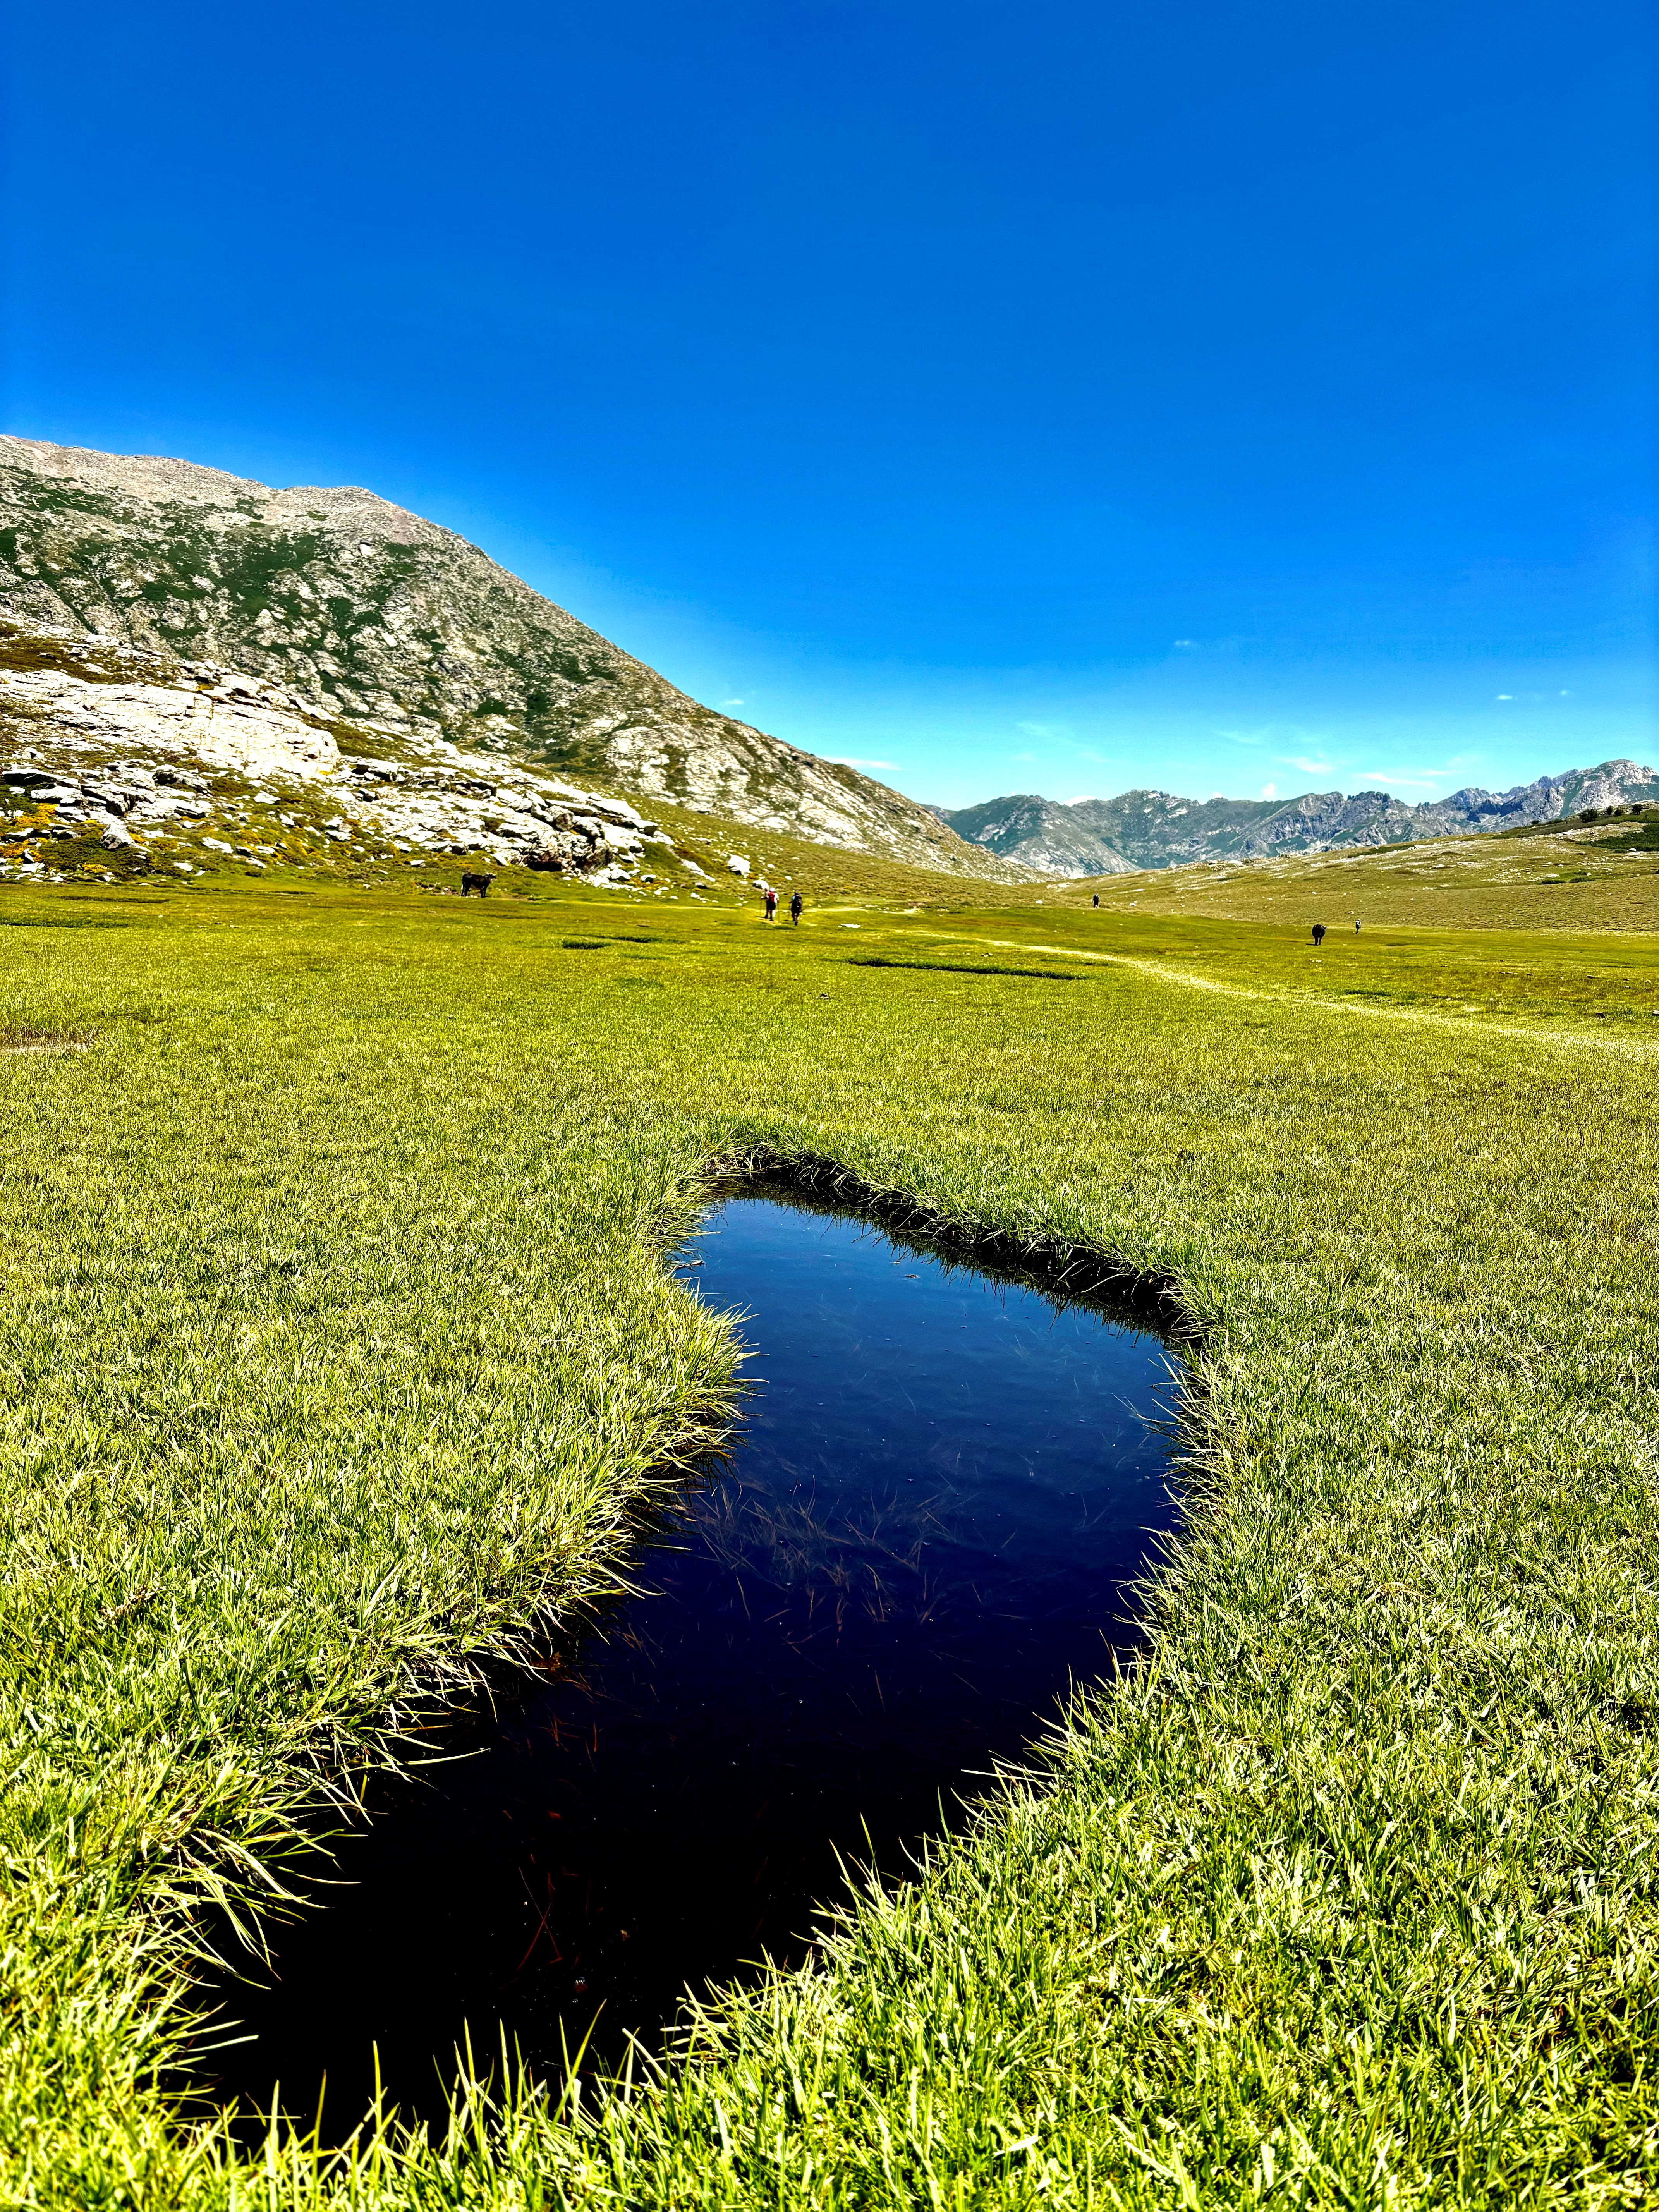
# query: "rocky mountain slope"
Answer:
x=342 y=600
x=115 y=761
x=1155 y=829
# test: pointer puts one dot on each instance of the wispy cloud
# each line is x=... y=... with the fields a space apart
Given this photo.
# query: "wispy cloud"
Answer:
x=1307 y=767
x=733 y=702
x=1269 y=790
x=1414 y=778
x=851 y=760
x=1038 y=730
x=1186 y=645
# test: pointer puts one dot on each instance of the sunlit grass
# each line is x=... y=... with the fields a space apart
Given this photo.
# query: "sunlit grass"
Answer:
x=337 y=1341
x=1574 y=877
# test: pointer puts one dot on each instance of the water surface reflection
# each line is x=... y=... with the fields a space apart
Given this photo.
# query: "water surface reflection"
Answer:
x=942 y=1482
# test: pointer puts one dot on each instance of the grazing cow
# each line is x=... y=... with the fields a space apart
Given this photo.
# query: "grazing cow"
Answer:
x=1319 y=932
x=472 y=881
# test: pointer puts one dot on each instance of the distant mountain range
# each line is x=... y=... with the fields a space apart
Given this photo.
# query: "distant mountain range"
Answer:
x=365 y=612
x=1155 y=829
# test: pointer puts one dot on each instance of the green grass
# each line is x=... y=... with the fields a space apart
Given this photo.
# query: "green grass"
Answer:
x=337 y=1344
x=1575 y=877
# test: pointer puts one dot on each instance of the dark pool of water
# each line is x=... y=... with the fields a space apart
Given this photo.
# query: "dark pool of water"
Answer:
x=942 y=1482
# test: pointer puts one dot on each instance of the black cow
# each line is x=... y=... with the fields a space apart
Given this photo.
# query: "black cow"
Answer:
x=472 y=881
x=1319 y=932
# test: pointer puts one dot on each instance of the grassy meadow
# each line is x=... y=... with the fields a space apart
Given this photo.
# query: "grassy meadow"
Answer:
x=338 y=1349
x=1587 y=877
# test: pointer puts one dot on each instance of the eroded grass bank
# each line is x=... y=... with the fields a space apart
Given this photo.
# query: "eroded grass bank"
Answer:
x=335 y=1338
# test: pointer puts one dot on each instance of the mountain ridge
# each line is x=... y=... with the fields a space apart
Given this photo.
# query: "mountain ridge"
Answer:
x=374 y=613
x=1144 y=829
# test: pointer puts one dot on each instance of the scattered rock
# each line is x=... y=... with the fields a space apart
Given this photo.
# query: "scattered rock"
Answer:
x=182 y=744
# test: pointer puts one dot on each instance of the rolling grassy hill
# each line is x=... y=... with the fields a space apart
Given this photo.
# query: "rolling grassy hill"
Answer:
x=1577 y=876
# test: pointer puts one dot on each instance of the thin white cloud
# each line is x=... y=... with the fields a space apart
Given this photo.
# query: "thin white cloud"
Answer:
x=850 y=760
x=1269 y=790
x=1186 y=644
x=1307 y=767
x=1037 y=730
x=732 y=702
x=1416 y=779
x=1504 y=695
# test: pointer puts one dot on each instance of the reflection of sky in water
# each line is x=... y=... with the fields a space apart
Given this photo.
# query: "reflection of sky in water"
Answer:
x=941 y=1483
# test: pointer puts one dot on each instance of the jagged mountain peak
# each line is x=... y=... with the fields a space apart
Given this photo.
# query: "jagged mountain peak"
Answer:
x=1145 y=828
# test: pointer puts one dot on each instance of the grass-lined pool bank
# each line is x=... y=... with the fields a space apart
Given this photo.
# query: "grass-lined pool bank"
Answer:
x=340 y=1329
x=940 y=1491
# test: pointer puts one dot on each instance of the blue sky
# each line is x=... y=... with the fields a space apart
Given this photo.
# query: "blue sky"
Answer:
x=1059 y=398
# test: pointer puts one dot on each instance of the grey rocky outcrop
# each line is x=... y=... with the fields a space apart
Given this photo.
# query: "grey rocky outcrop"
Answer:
x=86 y=753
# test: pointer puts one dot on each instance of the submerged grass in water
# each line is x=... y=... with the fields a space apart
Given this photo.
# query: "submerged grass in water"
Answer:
x=940 y=1488
x=338 y=1334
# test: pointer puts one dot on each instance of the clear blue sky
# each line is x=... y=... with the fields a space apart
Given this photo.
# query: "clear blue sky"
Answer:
x=1056 y=398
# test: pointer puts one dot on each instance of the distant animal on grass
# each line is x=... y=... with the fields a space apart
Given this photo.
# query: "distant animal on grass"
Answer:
x=1319 y=932
x=472 y=881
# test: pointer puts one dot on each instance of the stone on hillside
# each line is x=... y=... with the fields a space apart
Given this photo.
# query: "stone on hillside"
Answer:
x=228 y=732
